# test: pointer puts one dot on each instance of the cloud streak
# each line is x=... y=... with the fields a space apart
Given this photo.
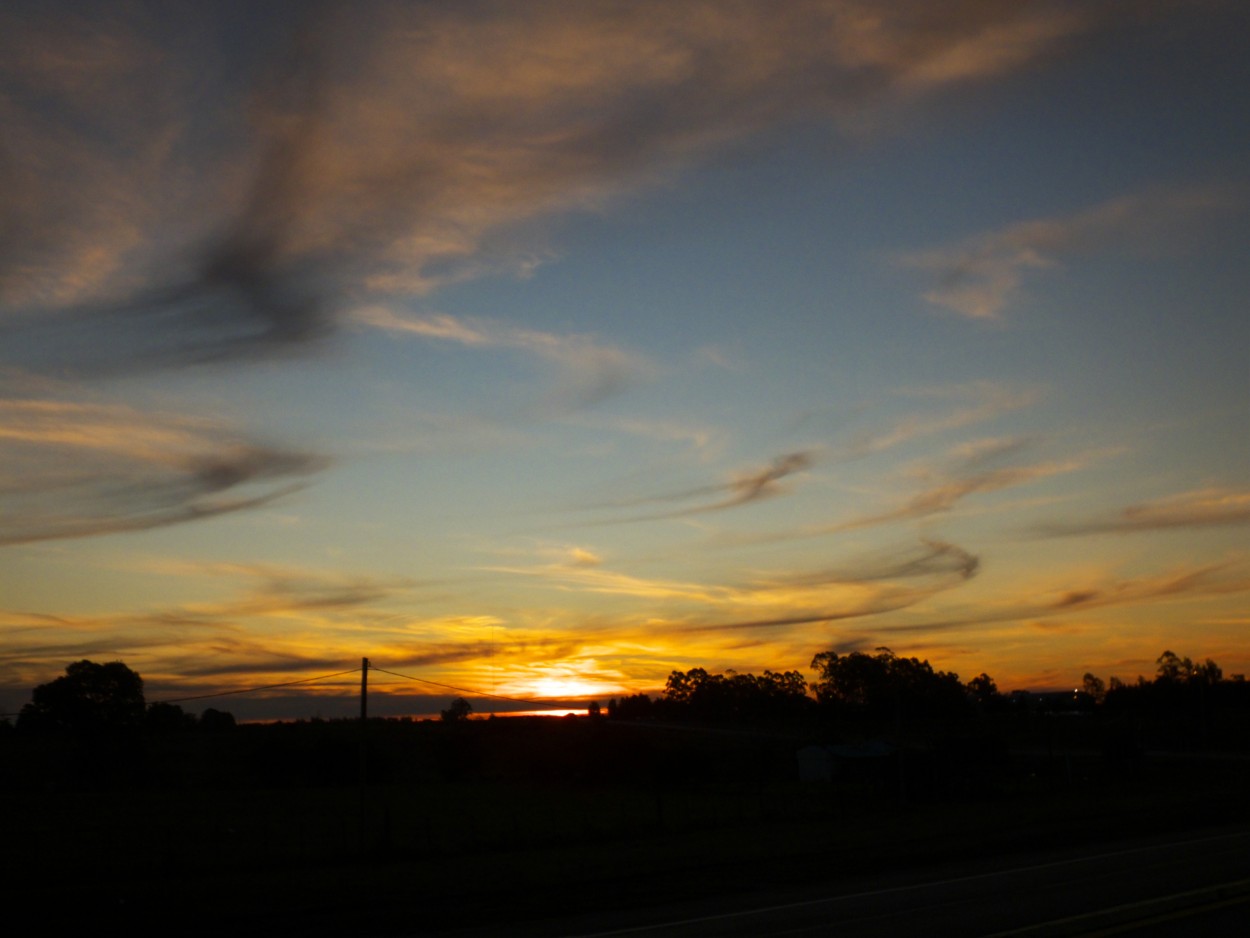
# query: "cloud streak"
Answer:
x=977 y=402
x=874 y=586
x=743 y=488
x=1204 y=508
x=272 y=620
x=946 y=495
x=587 y=371
x=1177 y=584
x=296 y=158
x=870 y=586
x=972 y=472
x=73 y=469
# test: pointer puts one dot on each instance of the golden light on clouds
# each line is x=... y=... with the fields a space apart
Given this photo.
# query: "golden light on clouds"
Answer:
x=551 y=347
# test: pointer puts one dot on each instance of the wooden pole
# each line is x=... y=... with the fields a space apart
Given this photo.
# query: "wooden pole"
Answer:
x=364 y=773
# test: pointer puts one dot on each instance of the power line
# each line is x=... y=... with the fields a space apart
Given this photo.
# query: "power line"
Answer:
x=248 y=690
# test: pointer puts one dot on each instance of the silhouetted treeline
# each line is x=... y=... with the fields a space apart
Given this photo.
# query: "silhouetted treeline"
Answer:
x=852 y=685
x=700 y=697
x=883 y=684
x=103 y=701
x=1187 y=703
x=91 y=727
x=696 y=695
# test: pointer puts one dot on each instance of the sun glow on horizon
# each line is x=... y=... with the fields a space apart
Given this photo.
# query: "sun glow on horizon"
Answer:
x=544 y=382
x=555 y=687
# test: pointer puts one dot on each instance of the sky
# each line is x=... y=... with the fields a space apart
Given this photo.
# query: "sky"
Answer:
x=542 y=349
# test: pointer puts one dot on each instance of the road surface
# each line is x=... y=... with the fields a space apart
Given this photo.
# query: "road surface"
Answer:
x=1199 y=883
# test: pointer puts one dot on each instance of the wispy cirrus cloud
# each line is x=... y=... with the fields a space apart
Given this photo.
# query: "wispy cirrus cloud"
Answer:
x=71 y=469
x=706 y=440
x=872 y=585
x=945 y=495
x=289 y=160
x=1101 y=592
x=269 y=620
x=741 y=488
x=587 y=371
x=1203 y=508
x=866 y=586
x=977 y=468
x=980 y=276
x=962 y=405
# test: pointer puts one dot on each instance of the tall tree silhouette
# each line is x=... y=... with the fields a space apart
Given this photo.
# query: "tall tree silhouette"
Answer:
x=89 y=698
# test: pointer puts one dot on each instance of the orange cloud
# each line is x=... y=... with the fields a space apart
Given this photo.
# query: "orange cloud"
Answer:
x=875 y=585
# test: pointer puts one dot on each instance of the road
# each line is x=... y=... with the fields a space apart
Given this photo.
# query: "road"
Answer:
x=1148 y=887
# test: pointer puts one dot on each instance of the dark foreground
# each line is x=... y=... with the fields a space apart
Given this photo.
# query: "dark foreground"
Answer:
x=974 y=881
x=679 y=837
x=1196 y=883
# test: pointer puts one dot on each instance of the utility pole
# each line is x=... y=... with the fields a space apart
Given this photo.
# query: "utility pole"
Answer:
x=364 y=773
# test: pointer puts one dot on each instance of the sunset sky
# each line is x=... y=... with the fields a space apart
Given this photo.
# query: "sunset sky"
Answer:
x=544 y=348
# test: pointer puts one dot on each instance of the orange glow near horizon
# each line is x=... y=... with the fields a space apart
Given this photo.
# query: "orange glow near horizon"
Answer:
x=444 y=338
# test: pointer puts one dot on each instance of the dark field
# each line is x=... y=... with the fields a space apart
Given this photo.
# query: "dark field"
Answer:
x=267 y=829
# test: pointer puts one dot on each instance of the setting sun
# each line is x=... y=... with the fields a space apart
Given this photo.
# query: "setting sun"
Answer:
x=560 y=688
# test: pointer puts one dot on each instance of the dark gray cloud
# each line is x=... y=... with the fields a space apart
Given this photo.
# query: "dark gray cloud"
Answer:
x=234 y=288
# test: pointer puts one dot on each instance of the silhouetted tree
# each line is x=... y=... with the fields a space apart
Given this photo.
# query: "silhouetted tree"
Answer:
x=89 y=698
x=883 y=683
x=458 y=711
x=1172 y=669
x=1208 y=673
x=1093 y=687
x=983 y=690
x=1185 y=702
